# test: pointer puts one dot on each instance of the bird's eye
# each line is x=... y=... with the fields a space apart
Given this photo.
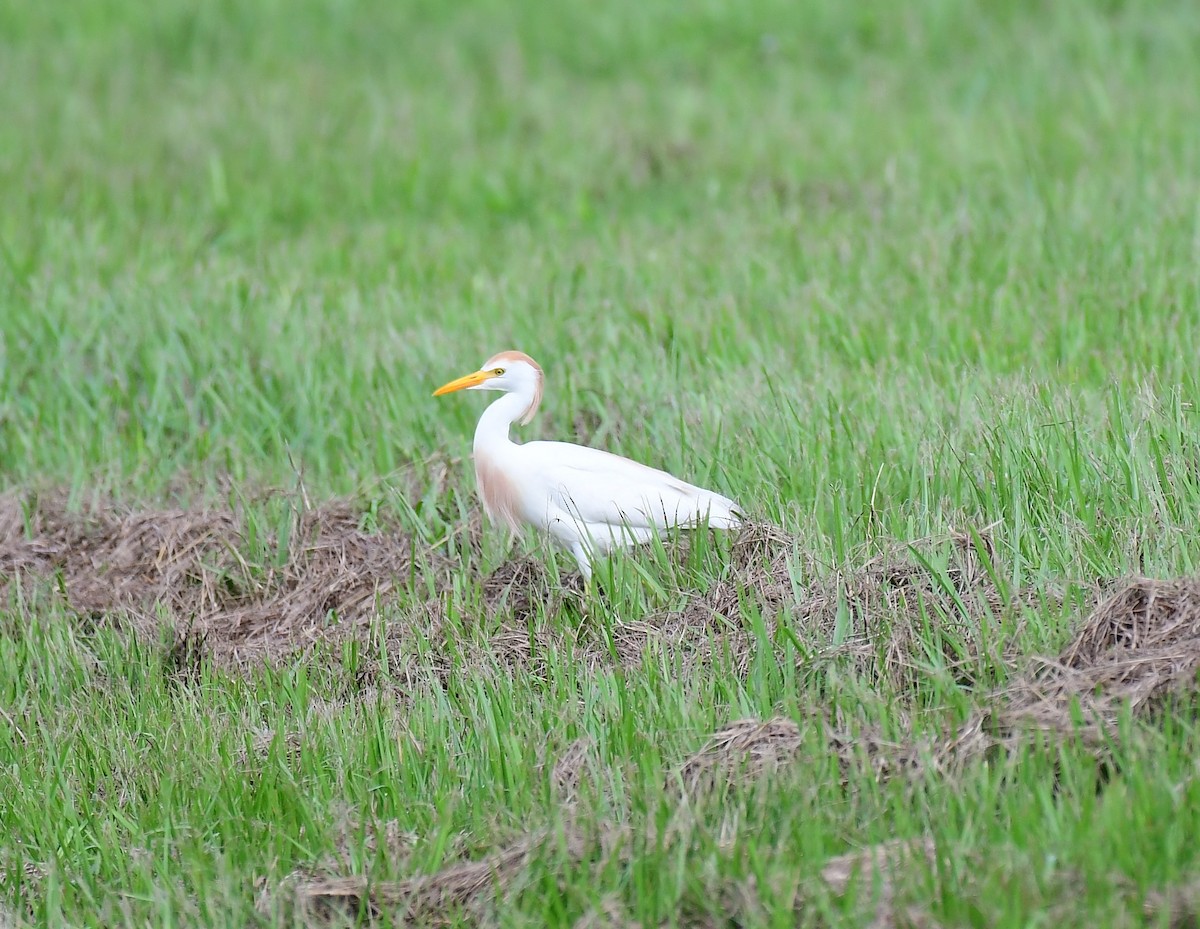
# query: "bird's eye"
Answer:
x=498 y=372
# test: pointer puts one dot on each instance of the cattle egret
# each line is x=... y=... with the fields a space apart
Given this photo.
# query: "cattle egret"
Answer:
x=589 y=501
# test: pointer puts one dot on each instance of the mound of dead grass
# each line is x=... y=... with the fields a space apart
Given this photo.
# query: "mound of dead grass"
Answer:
x=187 y=570
x=1140 y=647
x=894 y=618
x=887 y=613
x=749 y=750
x=523 y=588
x=1137 y=651
x=464 y=889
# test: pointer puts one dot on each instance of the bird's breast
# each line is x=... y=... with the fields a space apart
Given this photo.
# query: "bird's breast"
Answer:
x=501 y=495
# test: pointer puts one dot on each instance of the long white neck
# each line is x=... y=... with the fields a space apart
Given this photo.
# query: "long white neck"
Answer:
x=492 y=430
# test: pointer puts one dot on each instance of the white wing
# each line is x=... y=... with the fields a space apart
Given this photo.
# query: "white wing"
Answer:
x=602 y=489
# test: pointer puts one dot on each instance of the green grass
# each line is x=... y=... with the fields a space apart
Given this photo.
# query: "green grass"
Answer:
x=878 y=271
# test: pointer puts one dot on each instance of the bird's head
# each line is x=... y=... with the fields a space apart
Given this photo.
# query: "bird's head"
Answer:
x=510 y=372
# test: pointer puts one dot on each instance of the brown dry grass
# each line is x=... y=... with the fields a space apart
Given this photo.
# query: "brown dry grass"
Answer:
x=877 y=867
x=895 y=604
x=524 y=588
x=880 y=616
x=749 y=750
x=1137 y=649
x=31 y=876
x=465 y=888
x=187 y=571
x=10 y=919
x=1140 y=647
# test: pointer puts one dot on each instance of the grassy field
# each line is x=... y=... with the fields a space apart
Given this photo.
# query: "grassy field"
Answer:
x=918 y=284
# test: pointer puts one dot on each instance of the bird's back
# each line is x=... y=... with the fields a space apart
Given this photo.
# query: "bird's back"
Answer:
x=601 y=488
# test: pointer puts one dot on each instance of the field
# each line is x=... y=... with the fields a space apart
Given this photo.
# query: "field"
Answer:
x=918 y=284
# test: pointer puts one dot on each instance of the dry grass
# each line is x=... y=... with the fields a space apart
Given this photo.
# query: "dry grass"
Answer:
x=465 y=888
x=748 y=750
x=610 y=914
x=1137 y=650
x=887 y=610
x=1140 y=647
x=523 y=588
x=876 y=867
x=880 y=616
x=187 y=570
x=29 y=874
x=570 y=768
x=10 y=919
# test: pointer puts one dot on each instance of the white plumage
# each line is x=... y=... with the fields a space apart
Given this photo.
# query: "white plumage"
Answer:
x=589 y=500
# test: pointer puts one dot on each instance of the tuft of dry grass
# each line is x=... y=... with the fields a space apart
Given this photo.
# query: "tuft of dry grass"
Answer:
x=570 y=768
x=877 y=867
x=462 y=889
x=524 y=588
x=748 y=750
x=1139 y=647
x=744 y=750
x=29 y=874
x=887 y=611
x=610 y=914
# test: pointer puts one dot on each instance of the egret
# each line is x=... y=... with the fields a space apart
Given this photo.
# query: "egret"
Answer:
x=589 y=501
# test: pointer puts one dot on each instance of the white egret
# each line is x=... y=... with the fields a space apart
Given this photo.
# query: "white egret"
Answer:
x=590 y=501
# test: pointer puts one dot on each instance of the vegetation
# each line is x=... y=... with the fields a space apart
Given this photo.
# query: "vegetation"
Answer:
x=916 y=283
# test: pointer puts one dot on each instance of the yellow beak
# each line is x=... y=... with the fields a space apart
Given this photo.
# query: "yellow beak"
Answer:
x=469 y=380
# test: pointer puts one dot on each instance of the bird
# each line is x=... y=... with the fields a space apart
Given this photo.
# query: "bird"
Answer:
x=589 y=501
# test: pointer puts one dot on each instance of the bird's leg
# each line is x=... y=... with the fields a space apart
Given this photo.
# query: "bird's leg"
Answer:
x=585 y=569
x=579 y=553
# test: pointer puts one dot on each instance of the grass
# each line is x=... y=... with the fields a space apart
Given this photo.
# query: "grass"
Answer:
x=879 y=273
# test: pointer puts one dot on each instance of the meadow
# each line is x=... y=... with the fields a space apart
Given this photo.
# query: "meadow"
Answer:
x=918 y=284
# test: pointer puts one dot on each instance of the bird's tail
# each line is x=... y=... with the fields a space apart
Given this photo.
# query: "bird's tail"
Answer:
x=719 y=512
